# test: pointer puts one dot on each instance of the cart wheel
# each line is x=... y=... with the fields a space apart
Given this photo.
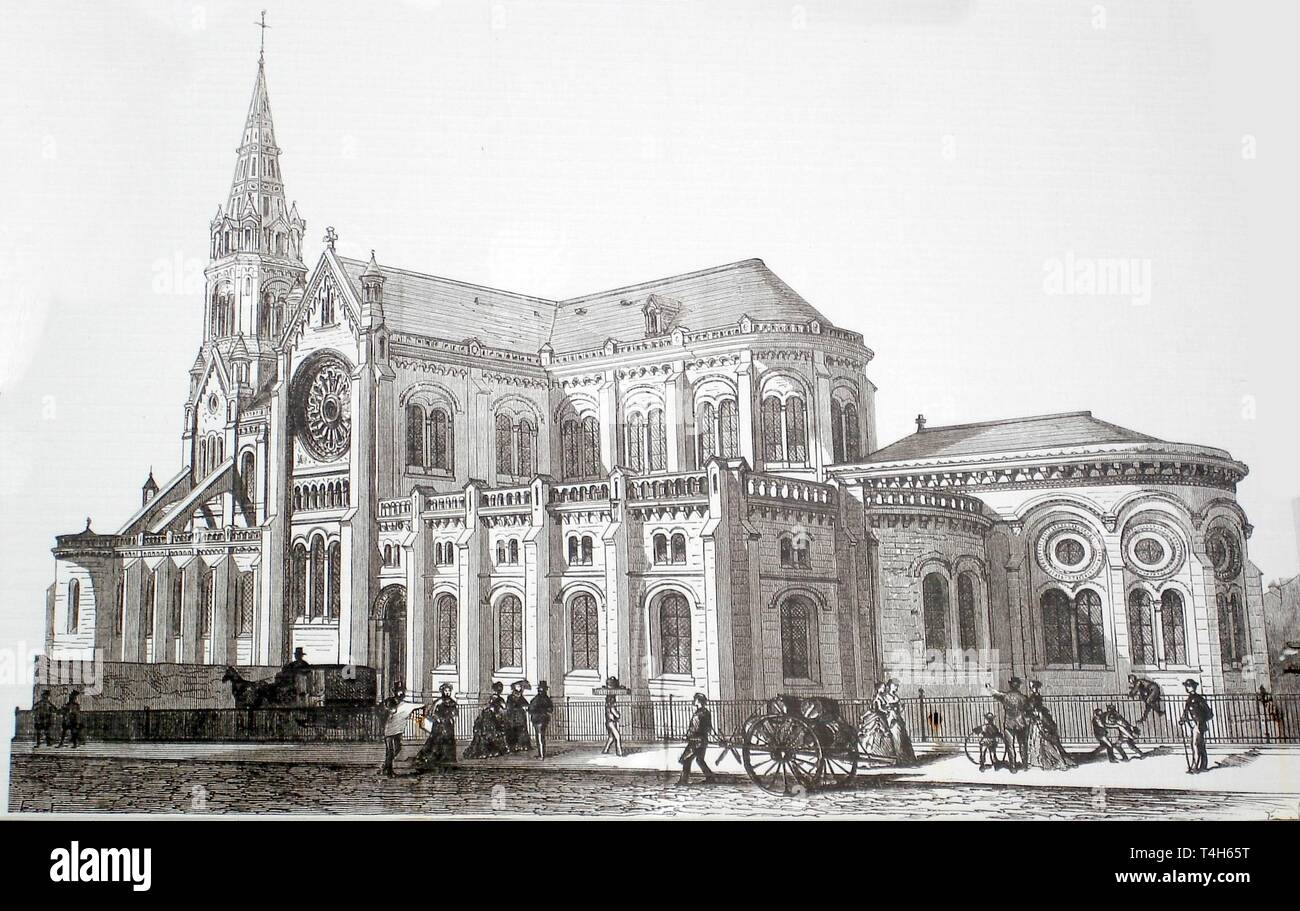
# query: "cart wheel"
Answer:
x=971 y=747
x=782 y=755
x=839 y=769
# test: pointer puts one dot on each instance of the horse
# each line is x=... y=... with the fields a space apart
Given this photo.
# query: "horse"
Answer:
x=249 y=694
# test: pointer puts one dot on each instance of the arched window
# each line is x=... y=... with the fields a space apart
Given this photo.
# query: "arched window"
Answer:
x=785 y=429
x=773 y=442
x=587 y=550
x=1172 y=631
x=149 y=605
x=569 y=448
x=589 y=450
x=636 y=443
x=796 y=639
x=852 y=433
x=298 y=581
x=447 y=630
x=728 y=429
x=787 y=550
x=1073 y=633
x=514 y=551
x=415 y=435
x=317 y=577
x=674 y=634
x=248 y=475
x=573 y=550
x=207 y=599
x=527 y=445
x=336 y=577
x=584 y=630
x=967 y=626
x=934 y=598
x=1141 y=628
x=1233 y=642
x=505 y=445
x=440 y=440
x=678 y=544
x=656 y=440
x=74 y=605
x=837 y=431
x=707 y=431
x=510 y=633
x=244 y=595
x=660 y=548
x=803 y=551
x=174 y=617
x=501 y=553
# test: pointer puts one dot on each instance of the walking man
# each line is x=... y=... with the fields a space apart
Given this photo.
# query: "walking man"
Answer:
x=1146 y=692
x=1015 y=718
x=43 y=718
x=612 y=718
x=1196 y=718
x=540 y=709
x=396 y=711
x=697 y=741
x=71 y=721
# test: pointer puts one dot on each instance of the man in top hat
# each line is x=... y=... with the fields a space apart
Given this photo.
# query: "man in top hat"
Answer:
x=540 y=709
x=697 y=741
x=1015 y=720
x=1196 y=718
x=43 y=718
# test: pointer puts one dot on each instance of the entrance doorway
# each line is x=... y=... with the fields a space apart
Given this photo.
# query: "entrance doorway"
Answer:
x=388 y=638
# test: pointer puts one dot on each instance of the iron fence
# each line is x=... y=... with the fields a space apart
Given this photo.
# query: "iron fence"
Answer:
x=1239 y=719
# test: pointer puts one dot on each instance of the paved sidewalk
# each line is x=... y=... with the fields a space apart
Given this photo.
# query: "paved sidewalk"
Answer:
x=1271 y=770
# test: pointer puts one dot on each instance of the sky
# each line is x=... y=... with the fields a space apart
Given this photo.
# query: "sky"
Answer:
x=922 y=171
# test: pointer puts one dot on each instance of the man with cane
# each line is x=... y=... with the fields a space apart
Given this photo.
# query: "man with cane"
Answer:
x=1196 y=720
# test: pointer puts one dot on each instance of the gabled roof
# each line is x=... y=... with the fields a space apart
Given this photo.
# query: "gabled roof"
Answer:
x=1045 y=431
x=710 y=298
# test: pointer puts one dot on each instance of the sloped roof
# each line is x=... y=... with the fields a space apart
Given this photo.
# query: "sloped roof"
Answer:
x=710 y=298
x=1045 y=431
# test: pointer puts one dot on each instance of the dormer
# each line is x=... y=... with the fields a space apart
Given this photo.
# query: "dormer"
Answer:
x=660 y=314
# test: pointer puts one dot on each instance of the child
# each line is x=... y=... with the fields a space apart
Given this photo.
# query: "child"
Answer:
x=990 y=737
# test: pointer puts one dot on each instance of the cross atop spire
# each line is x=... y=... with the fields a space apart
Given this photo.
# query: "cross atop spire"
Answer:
x=261 y=51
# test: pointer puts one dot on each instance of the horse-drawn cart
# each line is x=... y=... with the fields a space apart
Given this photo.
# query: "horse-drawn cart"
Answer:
x=796 y=744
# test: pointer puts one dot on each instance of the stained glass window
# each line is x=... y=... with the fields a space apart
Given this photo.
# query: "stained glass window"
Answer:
x=934 y=594
x=510 y=633
x=1141 y=628
x=967 y=627
x=1172 y=627
x=674 y=634
x=796 y=658
x=447 y=627
x=585 y=628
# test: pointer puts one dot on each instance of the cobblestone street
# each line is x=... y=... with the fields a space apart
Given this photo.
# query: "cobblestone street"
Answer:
x=65 y=782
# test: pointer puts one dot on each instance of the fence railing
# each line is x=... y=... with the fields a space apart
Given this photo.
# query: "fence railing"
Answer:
x=946 y=720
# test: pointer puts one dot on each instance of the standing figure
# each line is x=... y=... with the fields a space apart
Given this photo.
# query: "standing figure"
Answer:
x=990 y=737
x=396 y=711
x=1125 y=733
x=612 y=718
x=517 y=718
x=1015 y=714
x=697 y=741
x=1196 y=718
x=1146 y=692
x=43 y=719
x=490 y=728
x=71 y=728
x=439 y=751
x=1045 y=749
x=902 y=741
x=540 y=710
x=1102 y=733
x=874 y=739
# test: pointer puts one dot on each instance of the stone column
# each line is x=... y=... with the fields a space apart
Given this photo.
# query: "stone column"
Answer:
x=474 y=667
x=273 y=631
x=678 y=418
x=610 y=431
x=190 y=607
x=133 y=623
x=618 y=608
x=539 y=587
x=419 y=623
x=820 y=446
x=358 y=528
x=745 y=408
x=224 y=577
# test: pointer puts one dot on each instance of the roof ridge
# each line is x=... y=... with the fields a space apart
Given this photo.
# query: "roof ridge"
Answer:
x=710 y=270
x=351 y=261
x=1029 y=417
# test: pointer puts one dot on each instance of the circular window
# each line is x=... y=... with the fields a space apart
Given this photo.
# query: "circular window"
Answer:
x=323 y=396
x=1224 y=553
x=1069 y=551
x=1152 y=550
x=213 y=403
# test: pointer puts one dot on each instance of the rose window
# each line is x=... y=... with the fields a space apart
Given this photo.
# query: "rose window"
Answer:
x=324 y=409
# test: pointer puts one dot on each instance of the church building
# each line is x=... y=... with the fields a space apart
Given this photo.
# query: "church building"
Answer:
x=677 y=482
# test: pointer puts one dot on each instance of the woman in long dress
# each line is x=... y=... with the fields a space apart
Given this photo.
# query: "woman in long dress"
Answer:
x=439 y=751
x=490 y=729
x=1045 y=750
x=893 y=703
x=874 y=740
